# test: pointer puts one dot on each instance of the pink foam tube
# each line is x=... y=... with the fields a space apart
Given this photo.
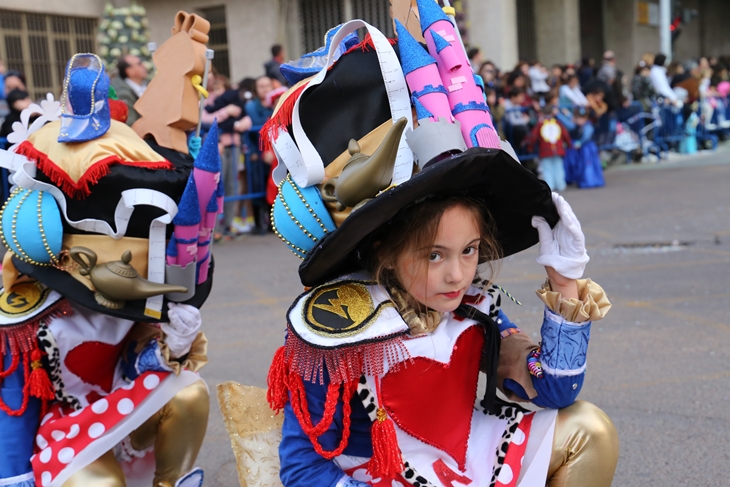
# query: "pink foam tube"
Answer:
x=187 y=244
x=436 y=103
x=206 y=184
x=203 y=269
x=450 y=58
x=462 y=89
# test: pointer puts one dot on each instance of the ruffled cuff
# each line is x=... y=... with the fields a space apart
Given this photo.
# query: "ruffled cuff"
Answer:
x=193 y=361
x=592 y=303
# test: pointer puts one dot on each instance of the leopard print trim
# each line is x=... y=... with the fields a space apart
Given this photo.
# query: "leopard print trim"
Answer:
x=513 y=416
x=368 y=400
x=412 y=477
x=47 y=343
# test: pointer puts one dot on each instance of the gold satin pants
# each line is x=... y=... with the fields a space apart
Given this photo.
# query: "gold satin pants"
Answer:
x=585 y=448
x=176 y=431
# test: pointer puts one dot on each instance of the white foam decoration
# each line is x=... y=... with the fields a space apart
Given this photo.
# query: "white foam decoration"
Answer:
x=49 y=110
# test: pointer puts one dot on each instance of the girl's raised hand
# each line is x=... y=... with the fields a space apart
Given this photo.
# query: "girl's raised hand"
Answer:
x=562 y=248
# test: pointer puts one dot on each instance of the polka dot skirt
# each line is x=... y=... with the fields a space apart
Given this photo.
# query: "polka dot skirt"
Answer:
x=63 y=436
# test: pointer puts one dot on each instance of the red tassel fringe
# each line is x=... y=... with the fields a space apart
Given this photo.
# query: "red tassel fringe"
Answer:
x=344 y=364
x=387 y=461
x=280 y=120
x=278 y=381
x=80 y=189
x=40 y=384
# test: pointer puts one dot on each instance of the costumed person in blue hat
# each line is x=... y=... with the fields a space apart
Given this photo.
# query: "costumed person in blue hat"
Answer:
x=378 y=377
x=99 y=314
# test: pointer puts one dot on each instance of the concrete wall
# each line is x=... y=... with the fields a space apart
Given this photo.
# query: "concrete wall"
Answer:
x=689 y=43
x=713 y=20
x=558 y=31
x=253 y=26
x=493 y=28
x=74 y=8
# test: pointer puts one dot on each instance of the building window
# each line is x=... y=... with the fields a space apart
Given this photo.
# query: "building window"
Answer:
x=218 y=38
x=526 y=30
x=317 y=17
x=375 y=13
x=39 y=46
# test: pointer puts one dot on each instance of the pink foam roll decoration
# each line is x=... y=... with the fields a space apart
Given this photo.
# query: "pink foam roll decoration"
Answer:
x=187 y=244
x=206 y=183
x=204 y=265
x=450 y=59
x=436 y=103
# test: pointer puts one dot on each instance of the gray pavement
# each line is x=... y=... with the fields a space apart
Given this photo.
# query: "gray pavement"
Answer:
x=659 y=240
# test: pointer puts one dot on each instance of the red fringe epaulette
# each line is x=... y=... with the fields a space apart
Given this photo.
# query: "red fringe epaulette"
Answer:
x=344 y=364
x=298 y=361
x=80 y=189
x=20 y=342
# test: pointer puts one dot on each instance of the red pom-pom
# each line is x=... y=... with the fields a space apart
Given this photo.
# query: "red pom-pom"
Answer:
x=278 y=382
x=118 y=110
x=40 y=384
x=386 y=461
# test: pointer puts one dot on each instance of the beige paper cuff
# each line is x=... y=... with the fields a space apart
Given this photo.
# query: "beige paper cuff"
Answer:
x=592 y=303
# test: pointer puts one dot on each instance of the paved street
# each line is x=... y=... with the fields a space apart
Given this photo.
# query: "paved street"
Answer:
x=659 y=240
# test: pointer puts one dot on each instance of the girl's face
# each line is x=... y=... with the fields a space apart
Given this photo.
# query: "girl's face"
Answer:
x=438 y=277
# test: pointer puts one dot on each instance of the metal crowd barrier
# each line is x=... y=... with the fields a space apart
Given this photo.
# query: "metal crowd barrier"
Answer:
x=656 y=131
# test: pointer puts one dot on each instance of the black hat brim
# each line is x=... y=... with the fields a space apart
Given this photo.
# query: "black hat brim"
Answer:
x=66 y=285
x=512 y=194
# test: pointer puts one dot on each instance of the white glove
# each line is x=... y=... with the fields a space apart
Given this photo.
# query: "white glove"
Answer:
x=182 y=329
x=564 y=247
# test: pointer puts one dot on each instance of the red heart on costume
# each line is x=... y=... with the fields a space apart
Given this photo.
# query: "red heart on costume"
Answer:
x=433 y=401
x=94 y=362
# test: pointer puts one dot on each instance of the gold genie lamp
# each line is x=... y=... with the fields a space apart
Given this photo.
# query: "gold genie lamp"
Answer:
x=116 y=282
x=363 y=177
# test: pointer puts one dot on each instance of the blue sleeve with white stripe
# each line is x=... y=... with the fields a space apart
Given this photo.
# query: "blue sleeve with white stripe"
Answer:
x=563 y=357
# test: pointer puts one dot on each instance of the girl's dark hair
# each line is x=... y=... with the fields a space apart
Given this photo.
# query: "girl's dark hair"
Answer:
x=414 y=229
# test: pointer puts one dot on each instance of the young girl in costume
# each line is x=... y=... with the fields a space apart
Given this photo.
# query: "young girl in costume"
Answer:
x=413 y=417
x=378 y=377
x=100 y=339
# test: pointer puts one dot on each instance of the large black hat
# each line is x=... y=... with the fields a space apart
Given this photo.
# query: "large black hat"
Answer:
x=352 y=102
x=100 y=219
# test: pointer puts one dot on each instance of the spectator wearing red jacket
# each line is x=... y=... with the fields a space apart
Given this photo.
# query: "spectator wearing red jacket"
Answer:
x=552 y=138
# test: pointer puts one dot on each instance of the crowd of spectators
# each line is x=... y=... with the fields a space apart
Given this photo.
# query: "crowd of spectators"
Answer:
x=517 y=95
x=582 y=95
